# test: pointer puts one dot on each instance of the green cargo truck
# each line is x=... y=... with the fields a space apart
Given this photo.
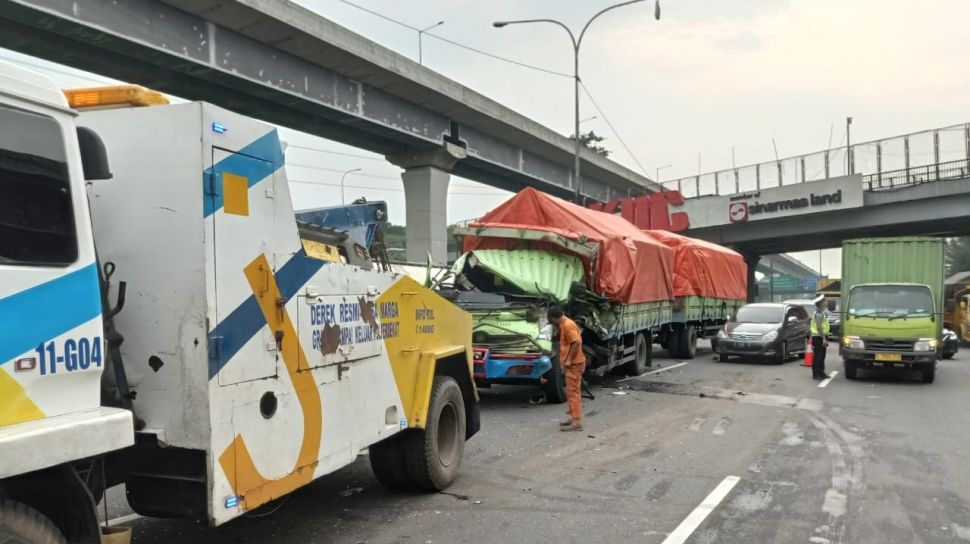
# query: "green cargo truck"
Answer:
x=892 y=304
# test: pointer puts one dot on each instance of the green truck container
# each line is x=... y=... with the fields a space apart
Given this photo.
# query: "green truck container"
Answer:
x=892 y=304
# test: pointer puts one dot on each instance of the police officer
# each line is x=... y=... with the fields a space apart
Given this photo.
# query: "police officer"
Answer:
x=820 y=338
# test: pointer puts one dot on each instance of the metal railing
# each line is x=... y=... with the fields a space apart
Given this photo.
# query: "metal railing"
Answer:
x=893 y=161
x=908 y=177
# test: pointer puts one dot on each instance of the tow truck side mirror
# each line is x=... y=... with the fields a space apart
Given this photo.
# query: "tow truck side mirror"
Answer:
x=94 y=156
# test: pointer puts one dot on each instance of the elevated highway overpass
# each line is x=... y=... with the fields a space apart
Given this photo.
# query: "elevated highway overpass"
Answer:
x=287 y=65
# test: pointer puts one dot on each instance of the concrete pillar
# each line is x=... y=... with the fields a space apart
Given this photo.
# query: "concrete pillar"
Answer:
x=752 y=262
x=426 y=196
x=426 y=175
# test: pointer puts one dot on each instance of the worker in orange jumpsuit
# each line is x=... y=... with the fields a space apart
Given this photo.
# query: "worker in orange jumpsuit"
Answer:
x=573 y=362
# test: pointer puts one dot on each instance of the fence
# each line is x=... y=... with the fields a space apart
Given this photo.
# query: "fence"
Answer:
x=900 y=161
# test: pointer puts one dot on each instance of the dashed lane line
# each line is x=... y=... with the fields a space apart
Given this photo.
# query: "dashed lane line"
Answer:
x=826 y=381
x=664 y=369
x=695 y=518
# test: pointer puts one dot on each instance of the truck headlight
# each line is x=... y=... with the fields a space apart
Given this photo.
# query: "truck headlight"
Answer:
x=853 y=342
x=770 y=336
x=925 y=344
x=722 y=334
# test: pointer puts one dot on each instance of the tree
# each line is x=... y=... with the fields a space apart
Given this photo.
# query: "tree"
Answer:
x=957 y=254
x=592 y=141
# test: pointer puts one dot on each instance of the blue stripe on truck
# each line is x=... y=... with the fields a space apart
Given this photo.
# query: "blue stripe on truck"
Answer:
x=232 y=333
x=265 y=148
x=47 y=311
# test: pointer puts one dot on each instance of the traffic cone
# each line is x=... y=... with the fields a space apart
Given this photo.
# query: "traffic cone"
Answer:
x=809 y=355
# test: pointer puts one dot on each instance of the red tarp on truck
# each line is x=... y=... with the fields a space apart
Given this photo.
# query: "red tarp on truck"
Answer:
x=705 y=269
x=631 y=267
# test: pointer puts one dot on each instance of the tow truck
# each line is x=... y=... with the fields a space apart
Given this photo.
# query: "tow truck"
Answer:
x=171 y=325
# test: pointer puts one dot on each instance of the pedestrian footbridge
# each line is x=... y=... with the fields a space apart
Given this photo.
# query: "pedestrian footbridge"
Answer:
x=915 y=184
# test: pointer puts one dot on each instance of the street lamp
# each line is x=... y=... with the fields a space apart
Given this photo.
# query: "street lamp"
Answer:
x=420 y=33
x=577 y=42
x=343 y=197
x=659 y=168
x=581 y=121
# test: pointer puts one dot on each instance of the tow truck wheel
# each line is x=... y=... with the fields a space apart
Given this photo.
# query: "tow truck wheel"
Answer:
x=688 y=343
x=641 y=356
x=928 y=373
x=555 y=386
x=21 y=524
x=387 y=462
x=851 y=370
x=433 y=455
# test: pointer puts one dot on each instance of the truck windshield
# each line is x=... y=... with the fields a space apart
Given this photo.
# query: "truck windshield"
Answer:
x=890 y=301
x=760 y=314
x=36 y=216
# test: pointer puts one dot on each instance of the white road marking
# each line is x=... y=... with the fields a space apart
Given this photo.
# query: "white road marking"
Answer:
x=826 y=381
x=721 y=426
x=697 y=424
x=664 y=369
x=695 y=518
x=123 y=519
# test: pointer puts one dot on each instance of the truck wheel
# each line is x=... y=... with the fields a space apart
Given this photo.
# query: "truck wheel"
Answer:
x=387 y=462
x=434 y=453
x=555 y=386
x=21 y=524
x=851 y=370
x=641 y=356
x=929 y=373
x=674 y=343
x=688 y=343
x=722 y=357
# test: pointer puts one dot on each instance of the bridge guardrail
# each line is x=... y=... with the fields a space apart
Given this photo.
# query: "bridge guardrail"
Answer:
x=908 y=177
x=887 y=163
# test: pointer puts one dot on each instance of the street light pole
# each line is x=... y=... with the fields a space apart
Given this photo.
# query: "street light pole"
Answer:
x=420 y=47
x=577 y=42
x=343 y=196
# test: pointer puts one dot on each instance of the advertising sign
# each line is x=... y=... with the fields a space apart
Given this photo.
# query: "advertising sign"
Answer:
x=669 y=210
x=777 y=202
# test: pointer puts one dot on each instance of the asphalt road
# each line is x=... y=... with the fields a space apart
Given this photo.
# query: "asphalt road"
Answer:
x=883 y=459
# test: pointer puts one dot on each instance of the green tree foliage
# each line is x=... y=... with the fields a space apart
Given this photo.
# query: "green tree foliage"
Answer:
x=592 y=141
x=957 y=254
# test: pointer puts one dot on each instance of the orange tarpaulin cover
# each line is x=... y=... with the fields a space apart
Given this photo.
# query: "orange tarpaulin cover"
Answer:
x=631 y=266
x=705 y=269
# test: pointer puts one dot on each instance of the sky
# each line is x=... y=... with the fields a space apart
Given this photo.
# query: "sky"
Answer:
x=681 y=92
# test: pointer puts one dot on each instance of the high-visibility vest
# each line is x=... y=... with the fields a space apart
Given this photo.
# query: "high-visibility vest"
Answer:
x=825 y=324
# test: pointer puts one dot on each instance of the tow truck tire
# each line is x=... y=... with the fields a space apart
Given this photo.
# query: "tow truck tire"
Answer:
x=555 y=386
x=851 y=370
x=21 y=524
x=688 y=343
x=641 y=356
x=387 y=462
x=433 y=454
x=928 y=373
x=723 y=357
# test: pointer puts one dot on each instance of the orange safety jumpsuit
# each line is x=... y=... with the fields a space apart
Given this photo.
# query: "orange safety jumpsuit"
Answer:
x=569 y=333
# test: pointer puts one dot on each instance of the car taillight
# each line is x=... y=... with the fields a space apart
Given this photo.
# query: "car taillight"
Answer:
x=479 y=354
